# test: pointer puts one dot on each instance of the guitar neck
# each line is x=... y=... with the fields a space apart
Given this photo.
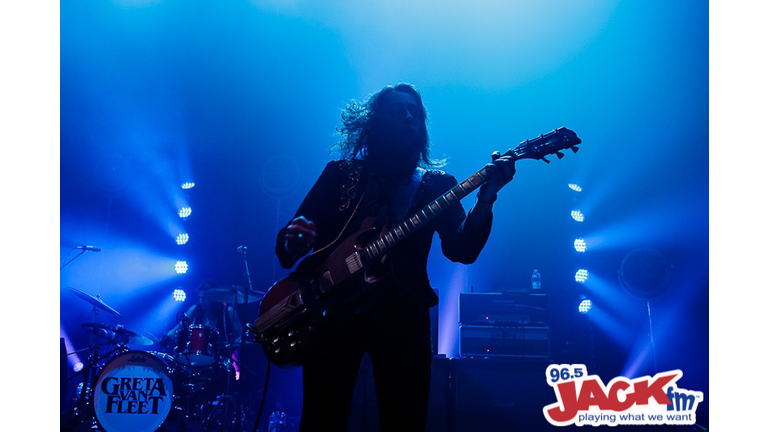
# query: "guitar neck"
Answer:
x=392 y=236
x=536 y=148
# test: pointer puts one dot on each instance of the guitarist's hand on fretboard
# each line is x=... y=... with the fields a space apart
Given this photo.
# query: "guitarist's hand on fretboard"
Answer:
x=300 y=236
x=501 y=171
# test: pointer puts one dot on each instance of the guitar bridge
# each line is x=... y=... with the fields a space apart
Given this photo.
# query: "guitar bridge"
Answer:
x=325 y=282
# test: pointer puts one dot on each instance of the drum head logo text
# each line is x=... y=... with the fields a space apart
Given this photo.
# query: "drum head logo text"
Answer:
x=136 y=395
x=133 y=393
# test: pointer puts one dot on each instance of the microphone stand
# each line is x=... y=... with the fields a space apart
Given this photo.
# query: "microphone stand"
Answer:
x=66 y=263
x=243 y=321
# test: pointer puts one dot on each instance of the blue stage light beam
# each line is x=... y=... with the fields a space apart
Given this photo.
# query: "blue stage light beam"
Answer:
x=73 y=359
x=448 y=339
x=615 y=328
x=156 y=318
x=661 y=223
x=121 y=268
x=614 y=311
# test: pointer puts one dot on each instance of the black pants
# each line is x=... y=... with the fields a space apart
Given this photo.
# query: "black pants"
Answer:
x=395 y=332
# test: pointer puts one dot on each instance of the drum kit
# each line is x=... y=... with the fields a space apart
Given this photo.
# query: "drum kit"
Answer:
x=192 y=383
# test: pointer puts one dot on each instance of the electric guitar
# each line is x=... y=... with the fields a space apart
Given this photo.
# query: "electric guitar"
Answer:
x=327 y=280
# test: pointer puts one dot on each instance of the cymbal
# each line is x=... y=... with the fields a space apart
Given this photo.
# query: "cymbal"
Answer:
x=230 y=295
x=119 y=334
x=132 y=337
x=100 y=330
x=95 y=301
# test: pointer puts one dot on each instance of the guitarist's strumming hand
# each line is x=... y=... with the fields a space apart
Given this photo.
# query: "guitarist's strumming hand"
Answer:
x=501 y=171
x=300 y=236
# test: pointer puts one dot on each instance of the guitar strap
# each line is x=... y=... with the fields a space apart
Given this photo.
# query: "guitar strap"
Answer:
x=405 y=194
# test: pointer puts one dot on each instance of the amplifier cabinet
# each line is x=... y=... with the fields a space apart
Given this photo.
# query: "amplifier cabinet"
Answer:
x=502 y=395
x=503 y=309
x=493 y=341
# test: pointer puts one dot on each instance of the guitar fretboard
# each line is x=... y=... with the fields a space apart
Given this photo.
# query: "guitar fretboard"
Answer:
x=389 y=238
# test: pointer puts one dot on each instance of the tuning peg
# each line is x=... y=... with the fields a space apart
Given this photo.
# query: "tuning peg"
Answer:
x=574 y=149
x=559 y=155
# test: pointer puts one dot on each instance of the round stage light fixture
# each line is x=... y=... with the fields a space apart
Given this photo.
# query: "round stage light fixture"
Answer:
x=575 y=187
x=581 y=276
x=181 y=267
x=585 y=306
x=179 y=295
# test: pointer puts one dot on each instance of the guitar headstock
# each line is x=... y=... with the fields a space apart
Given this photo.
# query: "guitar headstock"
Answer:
x=547 y=144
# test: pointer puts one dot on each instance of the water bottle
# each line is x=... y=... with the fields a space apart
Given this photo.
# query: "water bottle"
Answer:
x=536 y=280
x=277 y=422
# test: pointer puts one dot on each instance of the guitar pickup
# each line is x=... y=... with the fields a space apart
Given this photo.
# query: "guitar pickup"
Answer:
x=354 y=263
x=279 y=314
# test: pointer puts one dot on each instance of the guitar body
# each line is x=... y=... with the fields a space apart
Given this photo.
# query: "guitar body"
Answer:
x=342 y=276
x=321 y=287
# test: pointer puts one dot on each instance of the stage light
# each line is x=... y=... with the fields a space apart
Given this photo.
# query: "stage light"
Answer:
x=575 y=187
x=185 y=212
x=182 y=239
x=188 y=185
x=582 y=276
x=577 y=216
x=179 y=295
x=580 y=245
x=181 y=267
x=585 y=306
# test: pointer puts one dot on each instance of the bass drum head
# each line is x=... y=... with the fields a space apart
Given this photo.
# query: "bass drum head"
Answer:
x=133 y=393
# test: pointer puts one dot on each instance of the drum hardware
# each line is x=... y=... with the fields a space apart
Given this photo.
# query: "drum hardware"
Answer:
x=82 y=408
x=244 y=320
x=224 y=414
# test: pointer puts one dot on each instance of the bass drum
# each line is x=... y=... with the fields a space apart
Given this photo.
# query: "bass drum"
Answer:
x=134 y=392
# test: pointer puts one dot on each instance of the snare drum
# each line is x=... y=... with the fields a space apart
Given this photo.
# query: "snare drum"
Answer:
x=134 y=392
x=196 y=346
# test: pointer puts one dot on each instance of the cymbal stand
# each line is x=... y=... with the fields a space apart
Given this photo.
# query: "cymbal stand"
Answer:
x=243 y=322
x=84 y=408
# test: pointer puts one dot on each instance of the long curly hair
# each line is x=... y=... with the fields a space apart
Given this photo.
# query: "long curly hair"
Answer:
x=355 y=127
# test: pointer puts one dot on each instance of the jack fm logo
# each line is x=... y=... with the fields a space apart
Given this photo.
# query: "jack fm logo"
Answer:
x=583 y=399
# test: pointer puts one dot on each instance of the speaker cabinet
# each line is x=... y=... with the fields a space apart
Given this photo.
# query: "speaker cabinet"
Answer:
x=469 y=395
x=501 y=394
